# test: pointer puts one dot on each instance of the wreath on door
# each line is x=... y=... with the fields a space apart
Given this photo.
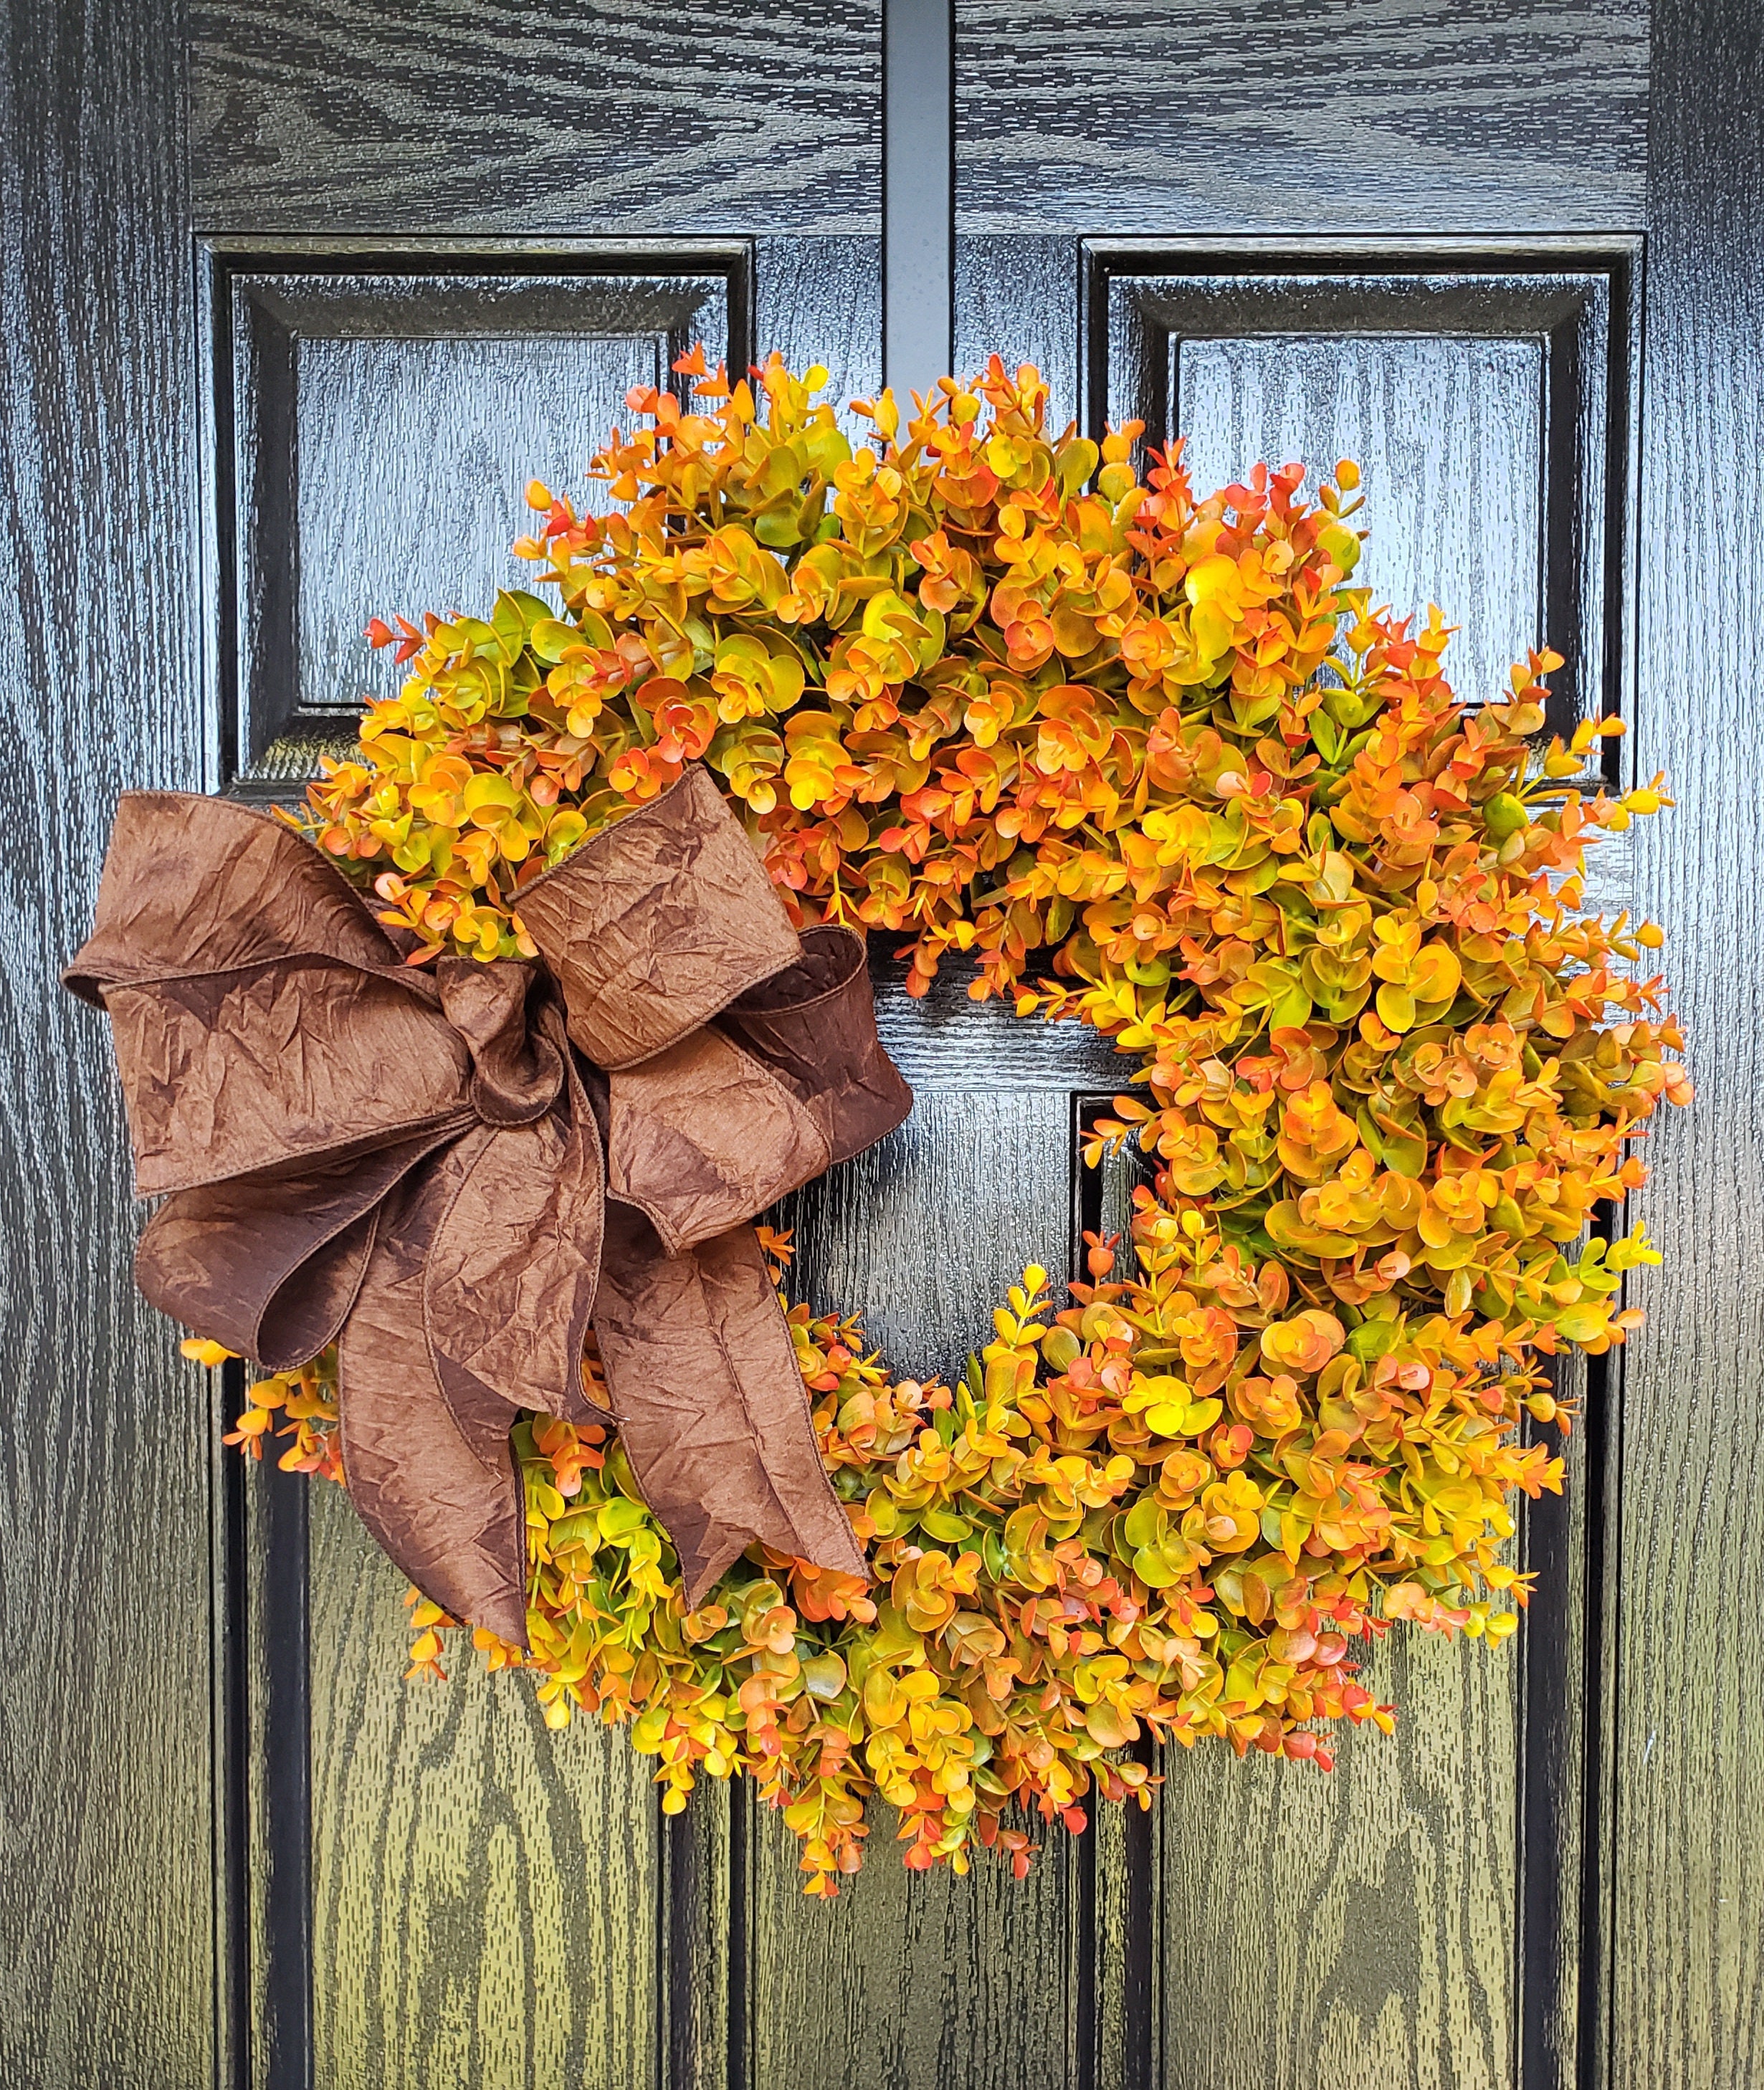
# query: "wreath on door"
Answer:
x=1138 y=760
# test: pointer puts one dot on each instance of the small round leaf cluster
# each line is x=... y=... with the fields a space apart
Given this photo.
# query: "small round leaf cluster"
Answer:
x=1150 y=763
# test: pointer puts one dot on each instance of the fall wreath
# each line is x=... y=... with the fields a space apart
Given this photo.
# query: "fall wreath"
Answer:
x=1143 y=761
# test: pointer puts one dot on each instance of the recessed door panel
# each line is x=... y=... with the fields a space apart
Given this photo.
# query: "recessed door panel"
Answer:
x=377 y=427
x=1448 y=438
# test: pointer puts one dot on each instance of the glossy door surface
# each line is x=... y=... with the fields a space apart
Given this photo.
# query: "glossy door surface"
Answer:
x=296 y=299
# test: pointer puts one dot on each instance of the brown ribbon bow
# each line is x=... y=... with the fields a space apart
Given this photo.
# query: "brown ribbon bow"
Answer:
x=417 y=1164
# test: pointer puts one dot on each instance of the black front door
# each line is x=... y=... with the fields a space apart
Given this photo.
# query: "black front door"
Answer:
x=296 y=300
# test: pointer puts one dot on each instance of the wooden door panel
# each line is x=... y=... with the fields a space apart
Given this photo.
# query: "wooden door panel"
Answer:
x=441 y=1890
x=947 y=1043
x=915 y=1982
x=438 y=1890
x=434 y=1887
x=1446 y=436
x=1488 y=406
x=1021 y=296
x=377 y=418
x=924 y=1234
x=350 y=115
x=1485 y=396
x=907 y=1981
x=1248 y=116
x=484 y=1891
x=1413 y=1908
x=1362 y=1924
x=818 y=299
x=921 y=1236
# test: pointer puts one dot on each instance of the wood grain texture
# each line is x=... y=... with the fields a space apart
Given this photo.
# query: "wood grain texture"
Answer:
x=918 y=214
x=703 y=1998
x=912 y=1982
x=353 y=115
x=485 y=1893
x=1362 y=1924
x=820 y=301
x=1273 y=115
x=107 y=1961
x=1021 y=299
x=1119 y=1859
x=943 y=1040
x=922 y=1235
x=1687 y=1924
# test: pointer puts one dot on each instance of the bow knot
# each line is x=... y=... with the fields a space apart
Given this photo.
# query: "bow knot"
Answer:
x=451 y=1173
x=517 y=1071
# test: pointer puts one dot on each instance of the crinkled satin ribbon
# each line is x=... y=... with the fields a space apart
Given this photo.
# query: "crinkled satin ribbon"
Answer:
x=452 y=1171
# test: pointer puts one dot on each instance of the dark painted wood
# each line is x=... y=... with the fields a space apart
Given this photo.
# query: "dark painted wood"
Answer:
x=539 y=119
x=1277 y=116
x=909 y=1982
x=1566 y=1678
x=473 y=1878
x=820 y=301
x=944 y=1042
x=1120 y=1986
x=918 y=211
x=1686 y=1940
x=274 y=1699
x=1021 y=298
x=377 y=419
x=924 y=1234
x=1484 y=395
x=485 y=1890
x=1420 y=1914
x=259 y=1858
x=108 y=1971
x=702 y=2003
x=915 y=1982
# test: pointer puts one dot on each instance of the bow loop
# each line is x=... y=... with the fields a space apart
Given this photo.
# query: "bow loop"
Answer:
x=791 y=1078
x=261 y=1017
x=655 y=924
x=814 y=1025
x=411 y=1163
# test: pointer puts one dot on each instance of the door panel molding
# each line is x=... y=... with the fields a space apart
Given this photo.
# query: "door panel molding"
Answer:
x=1574 y=304
x=1526 y=352
x=388 y=404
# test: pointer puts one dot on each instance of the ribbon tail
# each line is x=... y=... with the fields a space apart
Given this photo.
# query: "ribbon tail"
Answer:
x=431 y=1475
x=512 y=1270
x=711 y=1405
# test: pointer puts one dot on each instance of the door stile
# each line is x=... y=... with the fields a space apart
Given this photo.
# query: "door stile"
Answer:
x=1686 y=1897
x=1119 y=1862
x=919 y=89
x=108 y=1924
